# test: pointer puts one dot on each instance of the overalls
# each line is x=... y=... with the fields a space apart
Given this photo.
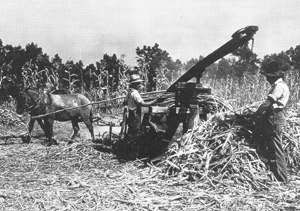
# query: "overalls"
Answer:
x=271 y=142
x=273 y=123
x=134 y=120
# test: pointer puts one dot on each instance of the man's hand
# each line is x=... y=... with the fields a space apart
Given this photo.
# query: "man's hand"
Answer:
x=161 y=99
x=254 y=119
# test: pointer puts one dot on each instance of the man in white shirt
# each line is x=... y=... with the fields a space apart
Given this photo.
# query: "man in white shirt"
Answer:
x=134 y=101
x=273 y=117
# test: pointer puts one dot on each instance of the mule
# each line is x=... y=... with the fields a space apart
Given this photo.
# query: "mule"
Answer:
x=40 y=122
x=11 y=91
x=36 y=103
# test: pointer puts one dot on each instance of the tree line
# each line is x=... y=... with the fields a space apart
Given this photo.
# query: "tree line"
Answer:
x=30 y=66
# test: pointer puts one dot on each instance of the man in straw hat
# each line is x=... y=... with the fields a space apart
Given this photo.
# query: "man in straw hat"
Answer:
x=273 y=120
x=134 y=101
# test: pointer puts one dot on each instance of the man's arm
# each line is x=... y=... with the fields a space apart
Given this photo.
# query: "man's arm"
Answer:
x=157 y=100
x=272 y=98
x=264 y=106
x=150 y=103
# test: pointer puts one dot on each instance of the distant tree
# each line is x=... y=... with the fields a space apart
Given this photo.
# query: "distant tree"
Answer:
x=294 y=54
x=173 y=69
x=42 y=61
x=80 y=73
x=56 y=59
x=279 y=61
x=213 y=71
x=150 y=59
x=15 y=56
x=189 y=64
x=179 y=67
x=246 y=62
x=32 y=51
x=225 y=68
x=210 y=72
x=90 y=77
x=112 y=69
x=2 y=53
x=58 y=69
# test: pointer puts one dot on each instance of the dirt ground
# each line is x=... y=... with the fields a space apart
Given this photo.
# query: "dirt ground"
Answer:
x=63 y=130
x=78 y=177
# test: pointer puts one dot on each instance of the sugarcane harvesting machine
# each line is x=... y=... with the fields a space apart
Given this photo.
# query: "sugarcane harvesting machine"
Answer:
x=164 y=118
x=181 y=105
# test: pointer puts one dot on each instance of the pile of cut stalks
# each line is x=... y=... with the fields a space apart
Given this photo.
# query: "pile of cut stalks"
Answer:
x=212 y=167
x=222 y=149
x=10 y=118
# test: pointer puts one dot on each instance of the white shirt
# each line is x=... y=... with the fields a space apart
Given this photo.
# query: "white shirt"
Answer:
x=133 y=99
x=279 y=93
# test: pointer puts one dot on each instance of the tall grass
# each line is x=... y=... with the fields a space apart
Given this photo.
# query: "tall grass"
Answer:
x=237 y=91
x=252 y=88
x=292 y=78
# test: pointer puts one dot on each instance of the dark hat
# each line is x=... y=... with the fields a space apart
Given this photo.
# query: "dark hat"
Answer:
x=135 y=78
x=273 y=69
x=273 y=74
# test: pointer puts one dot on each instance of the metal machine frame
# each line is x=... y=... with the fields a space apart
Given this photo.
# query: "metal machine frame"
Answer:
x=186 y=105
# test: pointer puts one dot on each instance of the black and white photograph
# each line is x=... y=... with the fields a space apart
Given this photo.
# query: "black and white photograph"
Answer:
x=161 y=105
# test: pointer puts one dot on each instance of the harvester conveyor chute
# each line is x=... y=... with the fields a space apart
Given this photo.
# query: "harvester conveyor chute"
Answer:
x=239 y=38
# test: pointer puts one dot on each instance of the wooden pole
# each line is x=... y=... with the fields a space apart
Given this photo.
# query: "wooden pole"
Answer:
x=92 y=103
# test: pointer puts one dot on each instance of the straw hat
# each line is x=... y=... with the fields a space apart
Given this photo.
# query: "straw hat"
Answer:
x=135 y=78
x=132 y=71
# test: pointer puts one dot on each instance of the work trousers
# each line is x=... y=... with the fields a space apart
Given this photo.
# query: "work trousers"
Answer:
x=270 y=145
x=134 y=123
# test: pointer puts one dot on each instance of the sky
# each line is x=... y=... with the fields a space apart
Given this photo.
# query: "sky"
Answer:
x=87 y=29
